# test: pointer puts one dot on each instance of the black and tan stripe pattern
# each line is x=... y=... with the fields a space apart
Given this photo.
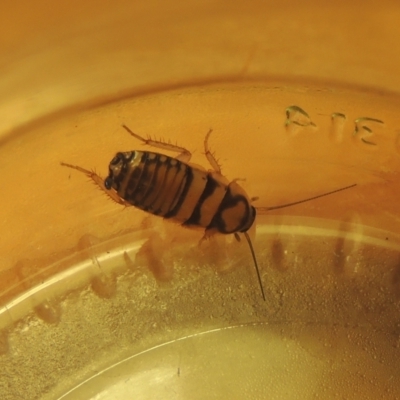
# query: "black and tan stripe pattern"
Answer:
x=167 y=187
x=176 y=190
x=234 y=214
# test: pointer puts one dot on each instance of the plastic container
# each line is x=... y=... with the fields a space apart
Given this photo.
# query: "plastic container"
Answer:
x=98 y=301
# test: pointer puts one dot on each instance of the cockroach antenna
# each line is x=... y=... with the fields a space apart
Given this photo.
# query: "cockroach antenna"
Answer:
x=277 y=208
x=246 y=235
x=306 y=200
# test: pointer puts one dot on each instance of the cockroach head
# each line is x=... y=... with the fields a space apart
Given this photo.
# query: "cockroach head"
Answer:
x=117 y=167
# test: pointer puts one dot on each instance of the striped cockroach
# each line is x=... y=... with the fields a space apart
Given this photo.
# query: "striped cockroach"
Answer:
x=172 y=188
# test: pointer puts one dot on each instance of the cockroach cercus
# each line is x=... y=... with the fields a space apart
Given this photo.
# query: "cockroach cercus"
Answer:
x=172 y=188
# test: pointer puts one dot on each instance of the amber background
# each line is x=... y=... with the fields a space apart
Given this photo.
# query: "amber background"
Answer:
x=56 y=56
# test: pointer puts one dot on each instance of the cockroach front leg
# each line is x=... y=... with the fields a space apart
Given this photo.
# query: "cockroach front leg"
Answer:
x=99 y=181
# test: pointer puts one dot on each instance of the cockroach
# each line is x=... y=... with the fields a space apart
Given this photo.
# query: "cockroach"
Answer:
x=174 y=189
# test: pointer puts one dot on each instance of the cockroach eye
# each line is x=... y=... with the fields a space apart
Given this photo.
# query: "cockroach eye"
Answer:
x=118 y=157
x=108 y=183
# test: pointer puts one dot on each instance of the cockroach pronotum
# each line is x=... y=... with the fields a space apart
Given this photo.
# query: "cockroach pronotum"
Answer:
x=172 y=188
